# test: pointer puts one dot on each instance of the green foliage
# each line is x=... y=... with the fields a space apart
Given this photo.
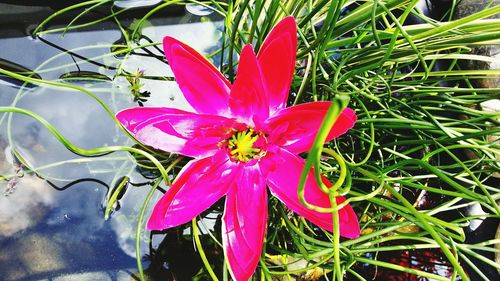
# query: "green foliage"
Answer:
x=421 y=130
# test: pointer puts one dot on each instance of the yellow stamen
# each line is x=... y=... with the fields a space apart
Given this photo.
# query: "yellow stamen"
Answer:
x=241 y=145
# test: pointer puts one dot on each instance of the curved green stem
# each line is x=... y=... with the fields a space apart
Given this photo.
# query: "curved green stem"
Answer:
x=203 y=257
x=138 y=228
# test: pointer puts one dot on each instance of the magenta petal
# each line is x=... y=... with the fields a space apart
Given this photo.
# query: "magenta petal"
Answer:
x=348 y=220
x=199 y=185
x=177 y=131
x=248 y=99
x=284 y=170
x=344 y=122
x=133 y=117
x=277 y=61
x=294 y=128
x=244 y=222
x=204 y=87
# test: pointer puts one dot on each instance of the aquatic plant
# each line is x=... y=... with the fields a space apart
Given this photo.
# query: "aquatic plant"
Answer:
x=423 y=151
x=243 y=137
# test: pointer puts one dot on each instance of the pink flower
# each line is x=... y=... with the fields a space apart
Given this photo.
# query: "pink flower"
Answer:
x=242 y=138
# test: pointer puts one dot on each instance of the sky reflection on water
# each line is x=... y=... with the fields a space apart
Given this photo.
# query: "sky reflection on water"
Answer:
x=46 y=233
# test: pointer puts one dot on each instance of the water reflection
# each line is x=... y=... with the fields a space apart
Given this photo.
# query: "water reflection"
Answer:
x=432 y=261
x=135 y=3
x=41 y=229
x=198 y=10
x=174 y=258
x=428 y=260
x=28 y=201
x=52 y=223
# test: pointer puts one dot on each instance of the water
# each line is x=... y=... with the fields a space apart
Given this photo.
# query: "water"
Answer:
x=52 y=223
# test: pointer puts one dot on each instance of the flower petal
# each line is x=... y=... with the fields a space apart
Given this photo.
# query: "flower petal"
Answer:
x=283 y=174
x=248 y=99
x=197 y=187
x=204 y=87
x=294 y=128
x=177 y=131
x=244 y=222
x=131 y=118
x=277 y=62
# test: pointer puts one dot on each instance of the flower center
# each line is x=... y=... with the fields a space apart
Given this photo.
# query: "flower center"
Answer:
x=242 y=145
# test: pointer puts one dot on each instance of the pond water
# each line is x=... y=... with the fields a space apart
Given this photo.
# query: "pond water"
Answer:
x=52 y=223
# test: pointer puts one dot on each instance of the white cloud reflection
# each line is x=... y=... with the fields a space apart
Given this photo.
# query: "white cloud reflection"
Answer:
x=135 y=3
x=26 y=206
